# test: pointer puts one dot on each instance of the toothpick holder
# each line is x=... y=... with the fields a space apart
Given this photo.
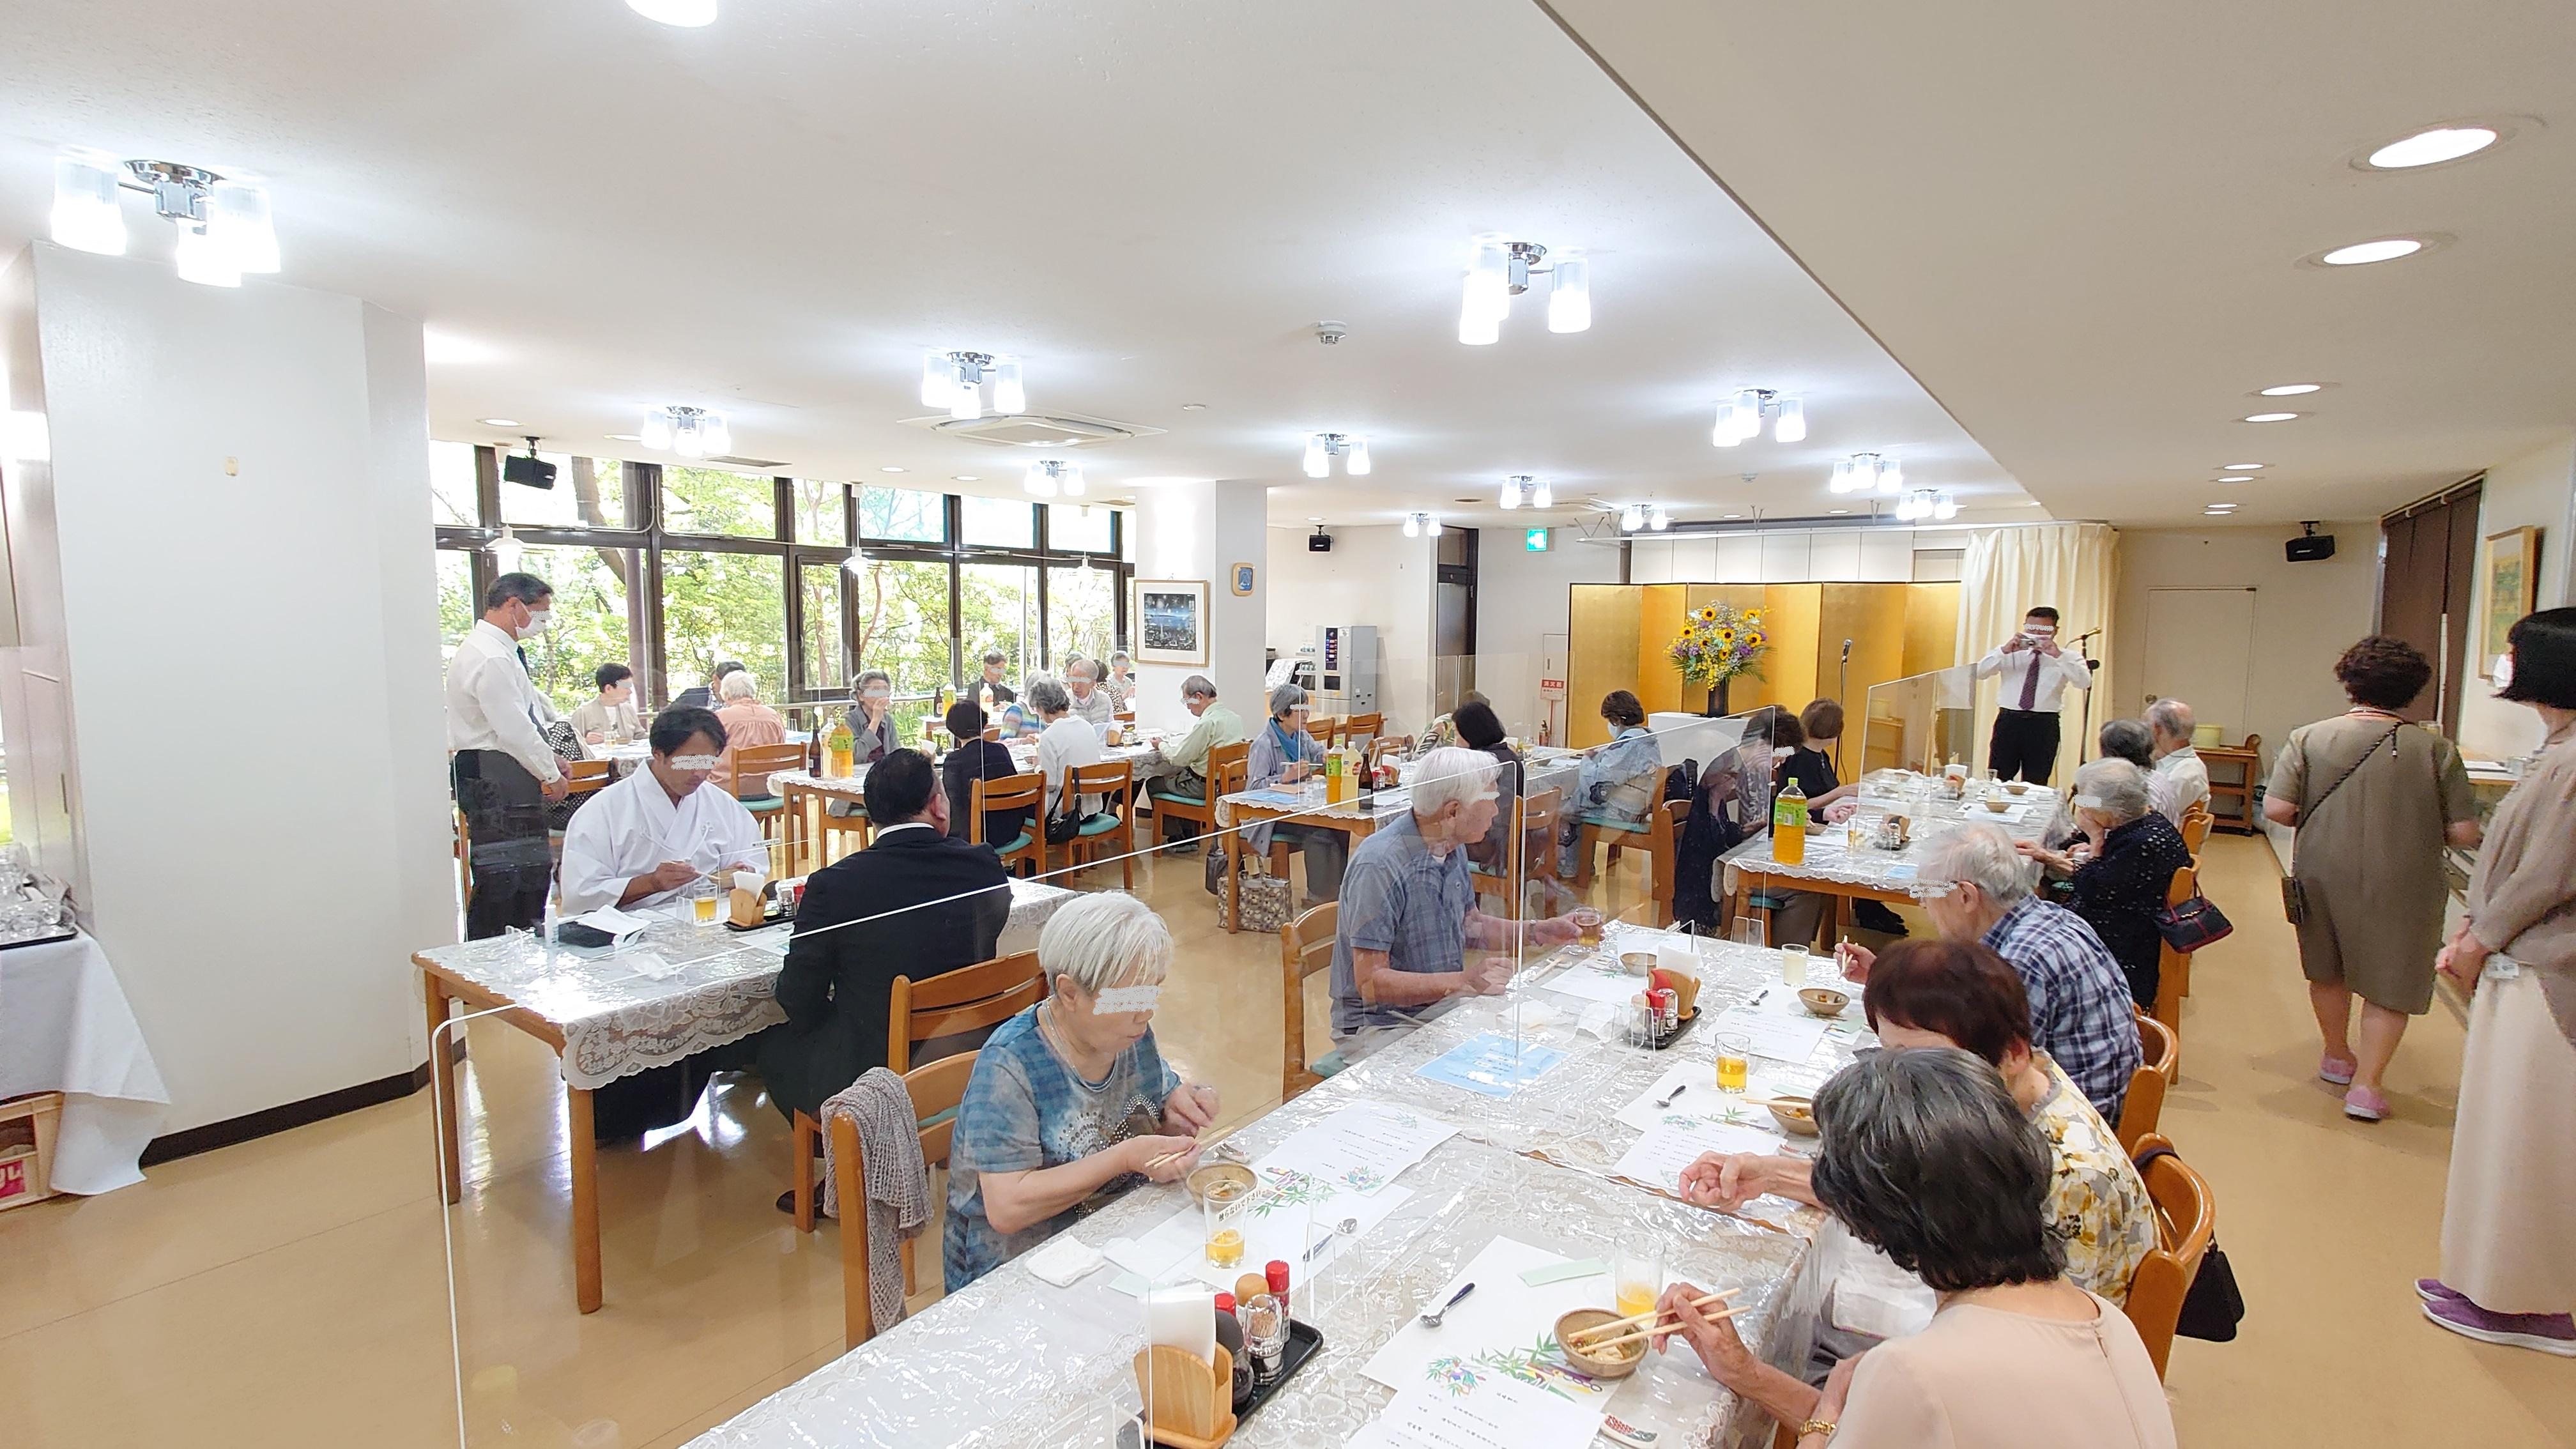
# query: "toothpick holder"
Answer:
x=1188 y=1401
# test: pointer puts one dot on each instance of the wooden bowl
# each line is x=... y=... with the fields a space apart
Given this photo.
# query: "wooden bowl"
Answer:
x=1203 y=1180
x=1795 y=1112
x=1823 y=1000
x=1998 y=806
x=2016 y=787
x=1637 y=963
x=1607 y=1364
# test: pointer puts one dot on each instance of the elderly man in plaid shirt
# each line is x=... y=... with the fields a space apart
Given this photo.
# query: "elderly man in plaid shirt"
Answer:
x=2080 y=1012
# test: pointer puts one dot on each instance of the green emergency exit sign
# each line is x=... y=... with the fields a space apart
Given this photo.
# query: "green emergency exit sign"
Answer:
x=1535 y=540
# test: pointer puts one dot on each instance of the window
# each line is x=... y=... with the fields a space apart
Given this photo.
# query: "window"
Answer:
x=593 y=625
x=720 y=502
x=820 y=512
x=454 y=500
x=456 y=603
x=997 y=608
x=588 y=493
x=720 y=606
x=818 y=590
x=902 y=515
x=1078 y=527
x=1000 y=523
x=899 y=623
x=1081 y=611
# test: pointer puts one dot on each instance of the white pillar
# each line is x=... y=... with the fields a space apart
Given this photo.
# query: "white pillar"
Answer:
x=1197 y=530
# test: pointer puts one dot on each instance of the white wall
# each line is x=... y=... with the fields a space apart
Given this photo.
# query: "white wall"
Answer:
x=1785 y=555
x=1524 y=608
x=2305 y=615
x=1197 y=529
x=255 y=752
x=1374 y=575
x=2534 y=490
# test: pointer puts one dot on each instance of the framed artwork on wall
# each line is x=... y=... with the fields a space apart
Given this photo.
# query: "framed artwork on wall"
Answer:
x=2513 y=585
x=1171 y=621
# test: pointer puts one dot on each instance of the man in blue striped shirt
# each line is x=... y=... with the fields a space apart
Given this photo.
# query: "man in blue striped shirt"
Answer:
x=2080 y=1012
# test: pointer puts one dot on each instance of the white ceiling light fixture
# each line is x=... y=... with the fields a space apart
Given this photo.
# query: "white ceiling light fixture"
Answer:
x=1632 y=518
x=955 y=381
x=1048 y=476
x=498 y=422
x=2362 y=254
x=1431 y=524
x=1739 y=419
x=2238 y=467
x=504 y=548
x=2431 y=147
x=1867 y=473
x=1659 y=520
x=687 y=431
x=2291 y=389
x=225 y=224
x=686 y=14
x=1512 y=487
x=2272 y=417
x=1413 y=525
x=1544 y=496
x=2234 y=478
x=1323 y=448
x=1499 y=269
x=1925 y=503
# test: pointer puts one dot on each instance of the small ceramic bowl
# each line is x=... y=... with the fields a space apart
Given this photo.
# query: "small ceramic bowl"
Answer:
x=1637 y=963
x=1824 y=1000
x=1796 y=1114
x=1204 y=1179
x=1998 y=806
x=1615 y=1362
x=2016 y=787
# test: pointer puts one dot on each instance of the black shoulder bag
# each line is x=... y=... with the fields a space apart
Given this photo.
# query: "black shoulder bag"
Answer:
x=2212 y=1306
x=2294 y=896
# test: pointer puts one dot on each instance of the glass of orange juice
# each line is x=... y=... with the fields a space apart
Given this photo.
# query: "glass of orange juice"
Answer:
x=1734 y=1064
x=1641 y=1278
x=1225 y=1207
x=702 y=901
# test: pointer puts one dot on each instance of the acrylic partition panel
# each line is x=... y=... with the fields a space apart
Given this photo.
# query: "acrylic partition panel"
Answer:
x=1920 y=723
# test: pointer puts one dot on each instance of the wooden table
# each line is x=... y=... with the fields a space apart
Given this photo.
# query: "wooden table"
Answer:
x=1357 y=818
x=2240 y=788
x=1831 y=870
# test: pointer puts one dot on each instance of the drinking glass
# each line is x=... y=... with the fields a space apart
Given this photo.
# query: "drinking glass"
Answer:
x=702 y=900
x=1224 y=1210
x=1734 y=1066
x=1587 y=925
x=1752 y=931
x=1641 y=1278
x=1793 y=964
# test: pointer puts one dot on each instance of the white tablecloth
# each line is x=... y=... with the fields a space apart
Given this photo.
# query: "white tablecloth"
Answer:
x=65 y=1027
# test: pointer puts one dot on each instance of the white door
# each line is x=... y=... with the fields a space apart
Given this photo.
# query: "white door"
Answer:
x=2200 y=650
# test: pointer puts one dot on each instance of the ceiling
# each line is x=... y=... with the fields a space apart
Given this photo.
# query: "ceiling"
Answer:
x=2080 y=226
x=1152 y=204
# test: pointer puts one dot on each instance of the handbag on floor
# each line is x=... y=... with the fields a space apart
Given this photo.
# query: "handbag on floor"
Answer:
x=1265 y=904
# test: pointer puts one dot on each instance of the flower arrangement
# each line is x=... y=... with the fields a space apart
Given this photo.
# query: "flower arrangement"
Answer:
x=1717 y=643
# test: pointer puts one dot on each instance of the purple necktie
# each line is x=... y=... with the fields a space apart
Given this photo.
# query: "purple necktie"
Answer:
x=2030 y=682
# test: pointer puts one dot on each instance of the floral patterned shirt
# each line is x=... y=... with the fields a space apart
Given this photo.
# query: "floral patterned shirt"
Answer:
x=2097 y=1202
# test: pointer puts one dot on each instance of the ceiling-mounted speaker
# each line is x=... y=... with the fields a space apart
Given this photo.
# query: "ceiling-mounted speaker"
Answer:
x=1319 y=542
x=2309 y=546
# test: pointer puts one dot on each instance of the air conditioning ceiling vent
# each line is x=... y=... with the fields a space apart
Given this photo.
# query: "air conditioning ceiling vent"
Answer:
x=1034 y=430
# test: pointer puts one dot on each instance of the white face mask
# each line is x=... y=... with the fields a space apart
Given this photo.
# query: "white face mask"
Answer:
x=539 y=621
x=2503 y=673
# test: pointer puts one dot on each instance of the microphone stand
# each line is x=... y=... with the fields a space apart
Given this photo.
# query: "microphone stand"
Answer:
x=2084 y=651
x=1842 y=690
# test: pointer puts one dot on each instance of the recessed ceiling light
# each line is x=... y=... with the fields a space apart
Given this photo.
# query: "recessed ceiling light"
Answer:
x=1735 y=515
x=2386 y=249
x=625 y=438
x=890 y=468
x=2272 y=417
x=689 y=14
x=2431 y=148
x=2292 y=389
x=2235 y=478
x=1838 y=510
x=1314 y=518
x=964 y=478
x=498 y=422
x=2238 y=467
x=1194 y=407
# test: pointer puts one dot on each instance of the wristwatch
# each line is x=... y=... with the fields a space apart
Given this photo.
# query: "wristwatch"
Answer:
x=1821 y=1427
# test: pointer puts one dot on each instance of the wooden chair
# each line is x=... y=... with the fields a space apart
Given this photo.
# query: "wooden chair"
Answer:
x=1511 y=886
x=1360 y=727
x=1227 y=767
x=586 y=776
x=935 y=1090
x=1113 y=826
x=1305 y=947
x=966 y=999
x=1326 y=729
x=1010 y=792
x=1384 y=748
x=2173 y=968
x=759 y=762
x=2145 y=1102
x=1655 y=834
x=2186 y=1216
x=2195 y=830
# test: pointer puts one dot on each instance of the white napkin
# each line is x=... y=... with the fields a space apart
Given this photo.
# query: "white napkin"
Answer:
x=647 y=964
x=1064 y=1260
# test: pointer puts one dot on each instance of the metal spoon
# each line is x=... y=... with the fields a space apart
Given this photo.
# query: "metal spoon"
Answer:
x=1346 y=1228
x=1678 y=1089
x=1432 y=1318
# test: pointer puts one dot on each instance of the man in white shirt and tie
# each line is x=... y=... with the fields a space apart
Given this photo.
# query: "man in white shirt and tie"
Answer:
x=2034 y=673
x=503 y=771
x=2177 y=763
x=645 y=841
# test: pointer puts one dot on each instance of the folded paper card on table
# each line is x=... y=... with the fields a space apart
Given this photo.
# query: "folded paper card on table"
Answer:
x=1510 y=1332
x=1491 y=1064
x=648 y=964
x=1362 y=1147
x=1481 y=1411
x=1597 y=978
x=615 y=922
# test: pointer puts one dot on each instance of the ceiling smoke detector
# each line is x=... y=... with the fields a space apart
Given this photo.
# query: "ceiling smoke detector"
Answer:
x=1331 y=333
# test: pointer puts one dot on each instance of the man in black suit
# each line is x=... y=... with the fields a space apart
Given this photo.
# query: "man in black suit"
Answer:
x=837 y=976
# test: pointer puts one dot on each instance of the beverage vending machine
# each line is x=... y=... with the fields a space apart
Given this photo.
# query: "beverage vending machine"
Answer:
x=1346 y=669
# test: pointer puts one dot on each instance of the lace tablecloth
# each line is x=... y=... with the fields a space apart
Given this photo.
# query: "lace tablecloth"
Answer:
x=617 y=1020
x=1378 y=807
x=1012 y=1361
x=1831 y=857
x=845 y=787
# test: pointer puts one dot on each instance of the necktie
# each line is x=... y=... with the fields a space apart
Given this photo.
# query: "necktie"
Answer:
x=2030 y=682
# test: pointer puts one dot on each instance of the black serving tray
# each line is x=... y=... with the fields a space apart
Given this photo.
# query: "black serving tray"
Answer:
x=1680 y=1029
x=771 y=919
x=1305 y=1340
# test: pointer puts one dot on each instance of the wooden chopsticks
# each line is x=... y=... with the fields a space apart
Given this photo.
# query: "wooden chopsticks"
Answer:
x=1591 y=1338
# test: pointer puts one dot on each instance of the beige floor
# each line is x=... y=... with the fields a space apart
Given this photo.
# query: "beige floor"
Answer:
x=294 y=1291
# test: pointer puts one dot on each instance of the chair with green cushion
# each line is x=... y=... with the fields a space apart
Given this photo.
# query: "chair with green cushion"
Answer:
x=1655 y=835
x=1305 y=948
x=1010 y=792
x=1227 y=768
x=1531 y=816
x=1113 y=825
x=756 y=763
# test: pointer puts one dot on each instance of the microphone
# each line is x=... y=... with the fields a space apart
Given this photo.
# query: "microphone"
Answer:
x=1847 y=644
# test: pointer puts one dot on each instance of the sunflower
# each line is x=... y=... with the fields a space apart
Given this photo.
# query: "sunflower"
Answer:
x=1725 y=637
x=1753 y=616
x=1708 y=614
x=1753 y=639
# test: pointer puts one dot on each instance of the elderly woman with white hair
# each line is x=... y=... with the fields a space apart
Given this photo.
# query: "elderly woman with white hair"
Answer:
x=1064 y=743
x=1071 y=1101
x=1977 y=887
x=1409 y=914
x=2121 y=883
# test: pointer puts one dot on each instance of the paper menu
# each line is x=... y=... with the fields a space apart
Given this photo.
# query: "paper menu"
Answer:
x=1489 y=1411
x=1300 y=1218
x=1657 y=1158
x=1506 y=1329
x=614 y=921
x=1361 y=1148
x=1599 y=978
x=1774 y=1034
x=1699 y=1101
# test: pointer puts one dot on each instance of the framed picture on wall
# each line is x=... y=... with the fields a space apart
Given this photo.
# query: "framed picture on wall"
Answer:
x=2513 y=586
x=1171 y=621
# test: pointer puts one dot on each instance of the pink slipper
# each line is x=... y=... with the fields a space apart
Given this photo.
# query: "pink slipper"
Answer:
x=2364 y=1105
x=2337 y=1070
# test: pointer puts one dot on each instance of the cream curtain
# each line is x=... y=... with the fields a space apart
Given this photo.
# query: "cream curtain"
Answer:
x=2009 y=571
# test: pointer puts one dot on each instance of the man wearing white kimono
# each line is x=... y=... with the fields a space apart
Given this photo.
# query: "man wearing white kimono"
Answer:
x=644 y=841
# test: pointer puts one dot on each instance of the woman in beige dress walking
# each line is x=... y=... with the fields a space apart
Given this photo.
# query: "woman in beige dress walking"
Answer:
x=2375 y=800
x=2509 y=1218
